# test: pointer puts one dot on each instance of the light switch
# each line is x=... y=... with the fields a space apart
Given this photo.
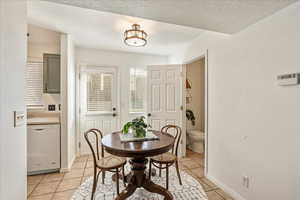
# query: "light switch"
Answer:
x=19 y=118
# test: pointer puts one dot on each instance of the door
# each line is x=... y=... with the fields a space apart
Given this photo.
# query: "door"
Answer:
x=98 y=102
x=165 y=96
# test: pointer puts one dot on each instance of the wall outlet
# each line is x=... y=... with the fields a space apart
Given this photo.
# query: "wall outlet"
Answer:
x=51 y=107
x=246 y=181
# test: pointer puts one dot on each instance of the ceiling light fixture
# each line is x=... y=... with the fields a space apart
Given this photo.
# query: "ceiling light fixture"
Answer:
x=135 y=36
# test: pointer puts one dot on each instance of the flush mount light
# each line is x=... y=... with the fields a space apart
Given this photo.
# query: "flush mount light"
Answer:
x=135 y=36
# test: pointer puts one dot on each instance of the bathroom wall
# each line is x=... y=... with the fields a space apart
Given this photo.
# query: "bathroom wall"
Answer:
x=195 y=73
x=42 y=41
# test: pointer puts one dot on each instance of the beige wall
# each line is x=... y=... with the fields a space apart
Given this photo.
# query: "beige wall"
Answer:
x=195 y=73
x=42 y=41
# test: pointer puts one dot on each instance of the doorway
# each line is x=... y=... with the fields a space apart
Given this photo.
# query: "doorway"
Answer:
x=196 y=106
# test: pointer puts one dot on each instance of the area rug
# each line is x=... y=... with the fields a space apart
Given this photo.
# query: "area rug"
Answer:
x=190 y=189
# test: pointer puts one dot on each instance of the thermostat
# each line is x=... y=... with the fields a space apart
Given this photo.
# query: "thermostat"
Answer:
x=289 y=79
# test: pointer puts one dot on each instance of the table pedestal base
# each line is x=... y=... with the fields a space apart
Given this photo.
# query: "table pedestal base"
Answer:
x=137 y=178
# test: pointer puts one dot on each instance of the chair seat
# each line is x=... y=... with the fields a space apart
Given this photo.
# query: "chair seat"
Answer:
x=164 y=158
x=110 y=162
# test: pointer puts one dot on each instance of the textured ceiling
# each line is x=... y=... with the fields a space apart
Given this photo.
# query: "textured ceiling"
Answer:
x=104 y=30
x=226 y=16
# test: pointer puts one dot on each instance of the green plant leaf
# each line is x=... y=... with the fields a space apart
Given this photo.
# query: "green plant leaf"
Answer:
x=138 y=124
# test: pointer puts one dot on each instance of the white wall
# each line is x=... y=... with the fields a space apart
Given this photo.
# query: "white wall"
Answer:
x=254 y=123
x=68 y=127
x=123 y=61
x=13 y=40
x=71 y=101
x=42 y=41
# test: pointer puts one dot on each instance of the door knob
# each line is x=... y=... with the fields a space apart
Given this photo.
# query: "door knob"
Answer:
x=149 y=114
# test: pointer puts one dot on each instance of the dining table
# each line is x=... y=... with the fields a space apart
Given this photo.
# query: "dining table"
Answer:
x=138 y=153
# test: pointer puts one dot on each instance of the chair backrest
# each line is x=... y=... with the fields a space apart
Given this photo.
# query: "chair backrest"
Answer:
x=176 y=134
x=97 y=135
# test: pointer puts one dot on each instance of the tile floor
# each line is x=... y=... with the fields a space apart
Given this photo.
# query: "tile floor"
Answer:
x=60 y=186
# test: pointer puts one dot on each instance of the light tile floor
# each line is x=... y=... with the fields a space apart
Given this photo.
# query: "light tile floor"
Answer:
x=60 y=186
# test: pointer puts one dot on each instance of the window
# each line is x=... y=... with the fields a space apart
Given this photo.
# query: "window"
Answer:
x=99 y=92
x=34 y=83
x=137 y=90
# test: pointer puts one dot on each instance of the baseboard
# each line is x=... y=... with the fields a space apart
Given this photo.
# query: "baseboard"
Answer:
x=64 y=170
x=72 y=161
x=225 y=188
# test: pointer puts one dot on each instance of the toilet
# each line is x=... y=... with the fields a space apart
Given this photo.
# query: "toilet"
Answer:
x=195 y=140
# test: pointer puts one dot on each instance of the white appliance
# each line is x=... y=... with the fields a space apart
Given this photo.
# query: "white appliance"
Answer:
x=195 y=140
x=43 y=148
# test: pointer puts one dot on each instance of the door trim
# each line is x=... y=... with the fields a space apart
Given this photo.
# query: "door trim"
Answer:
x=93 y=67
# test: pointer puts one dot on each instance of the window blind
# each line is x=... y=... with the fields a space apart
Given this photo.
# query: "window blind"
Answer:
x=99 y=92
x=137 y=90
x=34 y=83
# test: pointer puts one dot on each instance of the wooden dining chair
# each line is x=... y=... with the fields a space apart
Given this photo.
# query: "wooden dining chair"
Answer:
x=101 y=162
x=164 y=161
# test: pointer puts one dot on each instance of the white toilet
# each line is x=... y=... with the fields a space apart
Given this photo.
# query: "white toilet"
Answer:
x=195 y=140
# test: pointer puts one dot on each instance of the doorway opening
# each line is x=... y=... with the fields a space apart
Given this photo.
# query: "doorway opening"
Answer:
x=196 y=110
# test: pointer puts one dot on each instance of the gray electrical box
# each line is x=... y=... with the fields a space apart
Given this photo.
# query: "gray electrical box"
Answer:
x=51 y=73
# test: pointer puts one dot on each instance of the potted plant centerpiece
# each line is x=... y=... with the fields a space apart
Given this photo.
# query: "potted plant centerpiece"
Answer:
x=137 y=127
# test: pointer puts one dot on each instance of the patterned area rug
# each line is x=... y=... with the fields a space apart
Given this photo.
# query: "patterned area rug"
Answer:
x=190 y=189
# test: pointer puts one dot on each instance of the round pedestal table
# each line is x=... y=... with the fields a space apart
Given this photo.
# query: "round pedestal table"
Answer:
x=138 y=151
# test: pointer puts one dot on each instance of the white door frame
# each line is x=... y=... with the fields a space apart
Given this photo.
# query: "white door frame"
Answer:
x=78 y=71
x=205 y=56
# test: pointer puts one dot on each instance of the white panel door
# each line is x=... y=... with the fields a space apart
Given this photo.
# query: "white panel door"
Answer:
x=98 y=102
x=164 y=96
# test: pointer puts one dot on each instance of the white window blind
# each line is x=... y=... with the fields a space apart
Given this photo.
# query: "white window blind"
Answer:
x=34 y=83
x=99 y=92
x=137 y=90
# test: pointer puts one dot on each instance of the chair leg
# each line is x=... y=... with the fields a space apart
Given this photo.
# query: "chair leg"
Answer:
x=150 y=165
x=160 y=166
x=123 y=174
x=117 y=181
x=178 y=172
x=167 y=176
x=103 y=177
x=94 y=183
